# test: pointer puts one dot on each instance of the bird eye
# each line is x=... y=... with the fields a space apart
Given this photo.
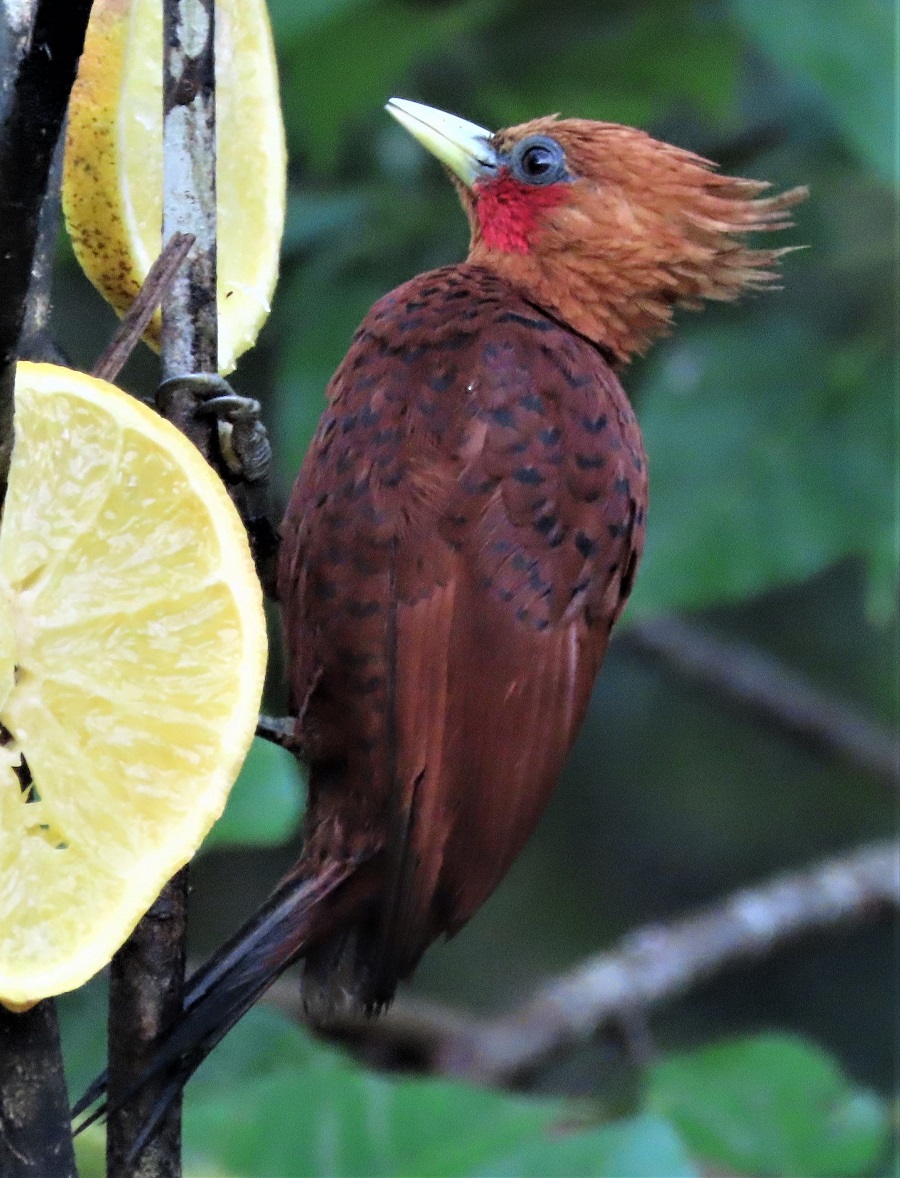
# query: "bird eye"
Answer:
x=538 y=159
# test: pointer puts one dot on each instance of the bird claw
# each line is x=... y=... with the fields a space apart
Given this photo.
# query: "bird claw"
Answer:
x=243 y=439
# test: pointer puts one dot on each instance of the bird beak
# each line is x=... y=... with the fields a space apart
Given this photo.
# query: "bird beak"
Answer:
x=464 y=148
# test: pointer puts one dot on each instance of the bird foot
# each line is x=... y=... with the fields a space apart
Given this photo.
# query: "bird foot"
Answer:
x=243 y=439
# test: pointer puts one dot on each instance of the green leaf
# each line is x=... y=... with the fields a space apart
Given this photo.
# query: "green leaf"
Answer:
x=643 y=1147
x=847 y=51
x=270 y=1101
x=640 y=84
x=362 y=56
x=773 y=1105
x=266 y=803
x=766 y=462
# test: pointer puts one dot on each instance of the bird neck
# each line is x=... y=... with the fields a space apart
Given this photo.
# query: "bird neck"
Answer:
x=601 y=303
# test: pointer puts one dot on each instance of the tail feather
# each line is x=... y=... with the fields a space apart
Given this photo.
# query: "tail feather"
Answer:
x=298 y=915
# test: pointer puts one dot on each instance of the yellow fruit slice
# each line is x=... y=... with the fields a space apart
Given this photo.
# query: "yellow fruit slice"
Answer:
x=132 y=655
x=112 y=177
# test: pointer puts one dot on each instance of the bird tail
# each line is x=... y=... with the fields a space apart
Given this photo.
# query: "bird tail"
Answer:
x=298 y=915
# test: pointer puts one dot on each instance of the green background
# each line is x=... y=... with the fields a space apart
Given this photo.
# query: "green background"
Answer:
x=772 y=433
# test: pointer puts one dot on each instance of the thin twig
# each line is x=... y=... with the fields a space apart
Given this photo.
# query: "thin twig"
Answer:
x=758 y=682
x=649 y=967
x=150 y=967
x=158 y=281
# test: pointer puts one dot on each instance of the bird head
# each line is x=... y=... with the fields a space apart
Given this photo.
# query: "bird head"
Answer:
x=601 y=225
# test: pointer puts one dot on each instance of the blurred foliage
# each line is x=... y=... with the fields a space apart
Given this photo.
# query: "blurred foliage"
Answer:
x=265 y=804
x=772 y=1105
x=772 y=433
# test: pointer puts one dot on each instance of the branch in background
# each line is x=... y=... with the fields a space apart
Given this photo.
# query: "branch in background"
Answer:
x=159 y=279
x=760 y=683
x=35 y=1138
x=145 y=987
x=39 y=49
x=648 y=968
x=36 y=340
x=147 y=974
x=42 y=45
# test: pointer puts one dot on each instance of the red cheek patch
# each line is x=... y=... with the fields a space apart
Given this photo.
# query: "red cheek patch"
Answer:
x=508 y=211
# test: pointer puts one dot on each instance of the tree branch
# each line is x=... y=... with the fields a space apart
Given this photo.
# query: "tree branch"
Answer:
x=35 y=1137
x=758 y=682
x=147 y=976
x=648 y=968
x=42 y=44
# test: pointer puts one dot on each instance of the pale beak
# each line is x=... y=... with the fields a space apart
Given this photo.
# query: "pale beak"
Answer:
x=464 y=148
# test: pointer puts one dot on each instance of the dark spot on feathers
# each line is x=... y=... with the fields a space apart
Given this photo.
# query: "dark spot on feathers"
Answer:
x=533 y=403
x=594 y=425
x=442 y=381
x=476 y=486
x=526 y=321
x=622 y=487
x=354 y=660
x=545 y=524
x=324 y=590
x=550 y=436
x=392 y=435
x=590 y=461
x=415 y=305
x=364 y=567
x=459 y=294
x=528 y=475
x=628 y=576
x=503 y=416
x=580 y=587
x=453 y=343
x=362 y=609
x=617 y=530
x=573 y=380
x=585 y=545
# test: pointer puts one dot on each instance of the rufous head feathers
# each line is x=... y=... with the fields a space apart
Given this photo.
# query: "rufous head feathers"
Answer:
x=603 y=226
